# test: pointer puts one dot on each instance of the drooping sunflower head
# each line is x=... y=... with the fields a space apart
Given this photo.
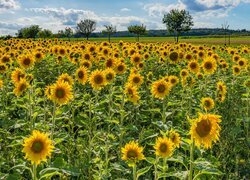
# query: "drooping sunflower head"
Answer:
x=21 y=87
x=164 y=147
x=205 y=130
x=209 y=65
x=97 y=79
x=132 y=152
x=26 y=61
x=38 y=147
x=131 y=93
x=174 y=137
x=65 y=77
x=109 y=74
x=82 y=75
x=194 y=67
x=48 y=92
x=61 y=93
x=160 y=89
x=207 y=103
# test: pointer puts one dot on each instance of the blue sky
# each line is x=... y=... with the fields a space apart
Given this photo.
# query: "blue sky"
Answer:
x=56 y=15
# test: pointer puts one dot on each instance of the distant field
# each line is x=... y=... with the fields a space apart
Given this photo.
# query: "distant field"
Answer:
x=195 y=40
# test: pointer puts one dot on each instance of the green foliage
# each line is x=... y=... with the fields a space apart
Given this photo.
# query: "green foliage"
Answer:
x=178 y=21
x=86 y=27
x=137 y=29
x=29 y=32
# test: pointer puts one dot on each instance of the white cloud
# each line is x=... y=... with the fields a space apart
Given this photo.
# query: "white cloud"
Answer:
x=8 y=5
x=125 y=10
x=158 y=9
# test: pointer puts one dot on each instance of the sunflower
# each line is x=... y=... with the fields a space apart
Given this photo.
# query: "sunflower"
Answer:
x=135 y=59
x=38 y=56
x=209 y=65
x=135 y=79
x=65 y=78
x=61 y=93
x=207 y=103
x=120 y=68
x=221 y=87
x=174 y=137
x=173 y=80
x=5 y=59
x=3 y=68
x=193 y=66
x=160 y=89
x=82 y=75
x=205 y=130
x=97 y=79
x=21 y=87
x=110 y=63
x=37 y=147
x=132 y=93
x=48 y=92
x=236 y=70
x=132 y=152
x=242 y=62
x=86 y=63
x=109 y=74
x=174 y=57
x=199 y=76
x=184 y=73
x=26 y=61
x=164 y=147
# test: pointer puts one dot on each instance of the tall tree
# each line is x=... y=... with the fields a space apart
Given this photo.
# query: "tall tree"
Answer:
x=86 y=27
x=68 y=32
x=29 y=32
x=178 y=21
x=138 y=30
x=110 y=29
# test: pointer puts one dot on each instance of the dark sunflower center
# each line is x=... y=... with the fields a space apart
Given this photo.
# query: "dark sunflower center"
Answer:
x=131 y=154
x=23 y=87
x=173 y=81
x=130 y=91
x=109 y=76
x=136 y=59
x=38 y=55
x=207 y=103
x=173 y=56
x=236 y=70
x=37 y=147
x=136 y=80
x=208 y=65
x=87 y=56
x=203 y=128
x=86 y=64
x=161 y=88
x=163 y=148
x=105 y=51
x=80 y=74
x=26 y=61
x=183 y=73
x=98 y=79
x=120 y=68
x=109 y=63
x=62 y=51
x=5 y=59
x=193 y=65
x=60 y=93
x=2 y=68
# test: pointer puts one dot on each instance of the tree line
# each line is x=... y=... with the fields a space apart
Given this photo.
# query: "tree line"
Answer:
x=178 y=22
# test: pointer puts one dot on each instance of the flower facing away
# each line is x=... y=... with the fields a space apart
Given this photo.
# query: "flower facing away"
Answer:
x=37 y=147
x=132 y=152
x=205 y=130
x=164 y=147
x=174 y=137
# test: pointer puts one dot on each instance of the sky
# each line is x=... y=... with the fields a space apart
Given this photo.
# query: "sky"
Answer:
x=59 y=14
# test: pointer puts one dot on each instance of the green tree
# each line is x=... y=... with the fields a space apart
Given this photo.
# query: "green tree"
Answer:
x=86 y=27
x=178 y=21
x=29 y=32
x=46 y=33
x=138 y=30
x=68 y=32
x=110 y=29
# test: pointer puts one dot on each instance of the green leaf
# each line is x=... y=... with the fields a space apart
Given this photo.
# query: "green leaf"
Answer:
x=151 y=160
x=49 y=175
x=143 y=171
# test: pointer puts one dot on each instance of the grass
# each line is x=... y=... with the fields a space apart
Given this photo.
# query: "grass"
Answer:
x=194 y=40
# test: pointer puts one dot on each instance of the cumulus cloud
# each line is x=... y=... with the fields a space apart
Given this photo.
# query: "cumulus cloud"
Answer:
x=70 y=17
x=8 y=5
x=125 y=10
x=13 y=26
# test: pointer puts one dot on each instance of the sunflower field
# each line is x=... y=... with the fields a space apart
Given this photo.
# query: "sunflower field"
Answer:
x=99 y=110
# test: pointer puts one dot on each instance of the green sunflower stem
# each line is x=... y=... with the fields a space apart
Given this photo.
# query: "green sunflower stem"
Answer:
x=34 y=175
x=156 y=170
x=134 y=172
x=164 y=102
x=165 y=167
x=53 y=120
x=190 y=176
